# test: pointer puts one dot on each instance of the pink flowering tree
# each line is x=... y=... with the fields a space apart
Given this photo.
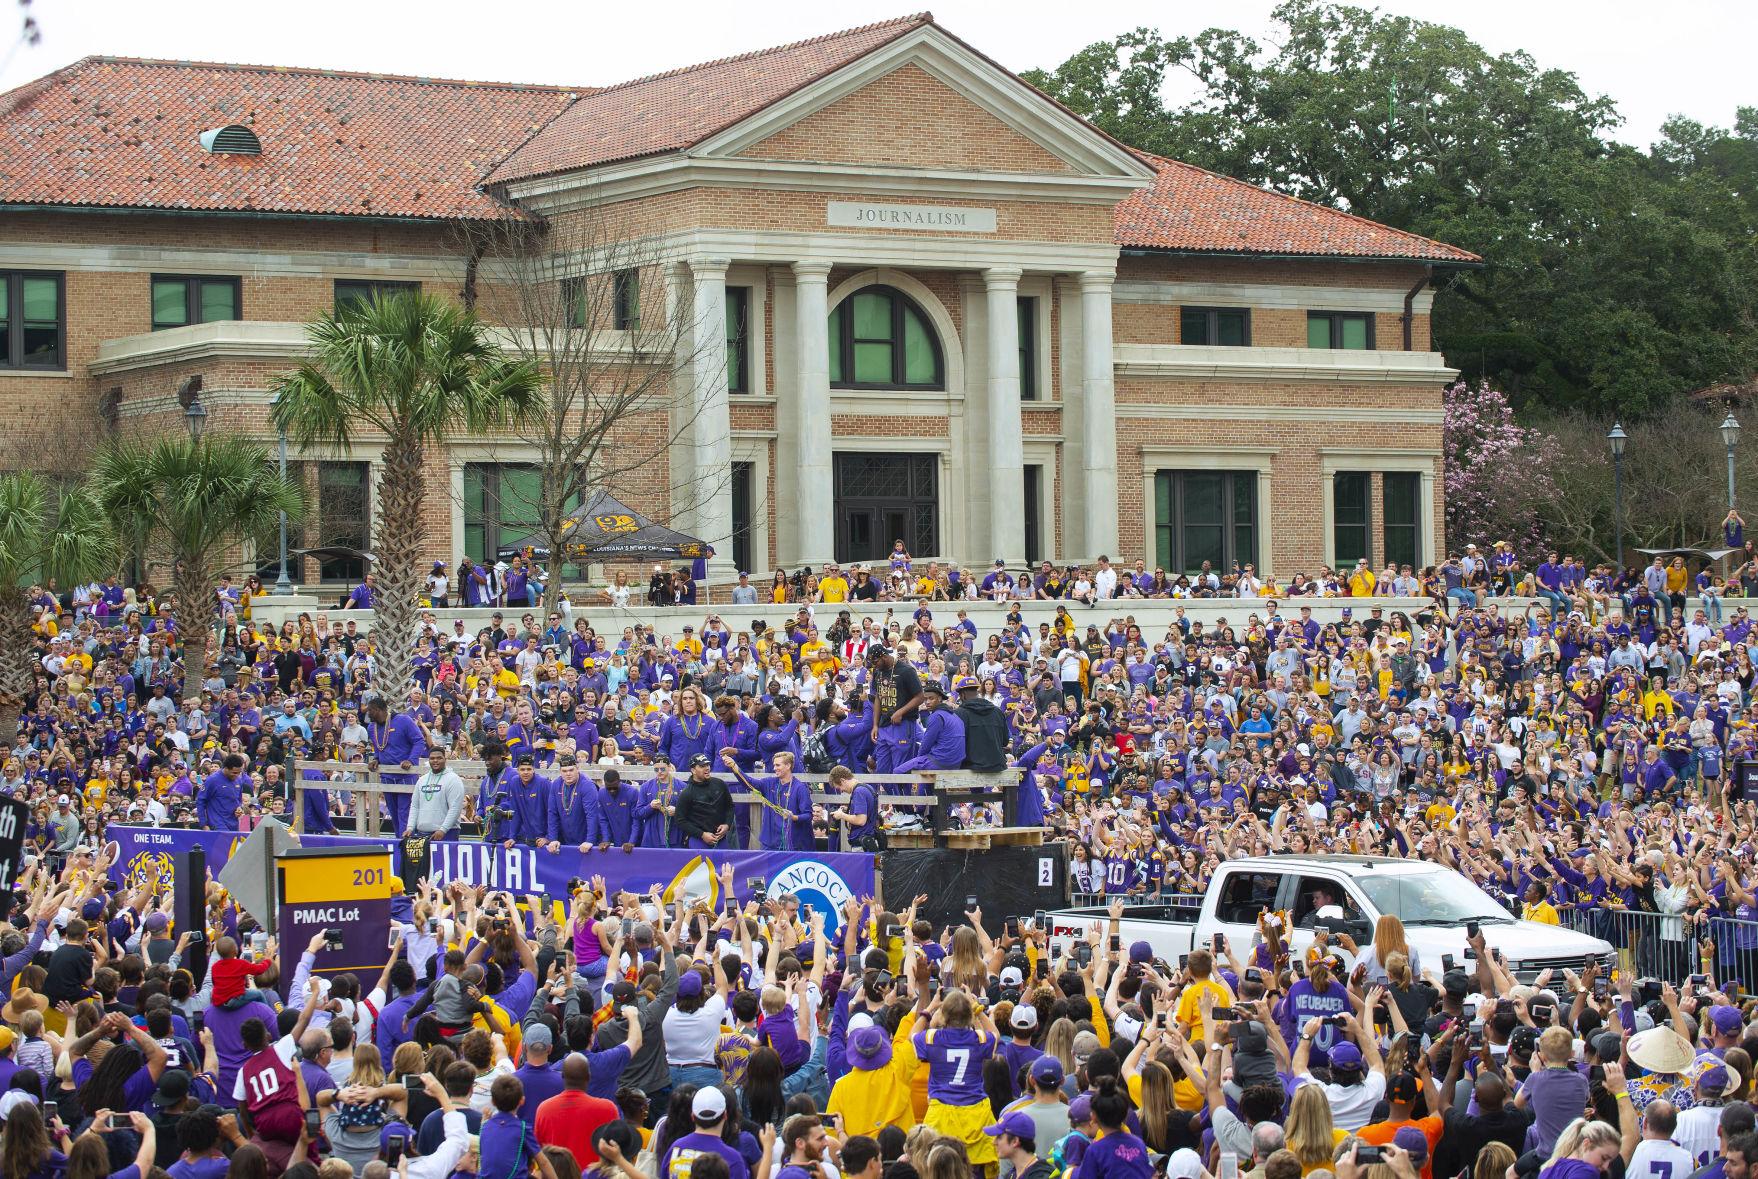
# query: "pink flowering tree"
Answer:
x=1497 y=472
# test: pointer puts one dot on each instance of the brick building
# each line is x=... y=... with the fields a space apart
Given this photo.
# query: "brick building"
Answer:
x=917 y=299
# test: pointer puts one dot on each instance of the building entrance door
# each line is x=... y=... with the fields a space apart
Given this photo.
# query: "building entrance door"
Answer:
x=883 y=498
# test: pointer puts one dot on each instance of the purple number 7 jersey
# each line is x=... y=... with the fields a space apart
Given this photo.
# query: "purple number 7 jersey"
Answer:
x=955 y=1059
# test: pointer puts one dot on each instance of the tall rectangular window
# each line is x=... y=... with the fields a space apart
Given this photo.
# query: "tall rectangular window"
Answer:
x=181 y=299
x=33 y=321
x=1229 y=326
x=743 y=506
x=365 y=290
x=502 y=504
x=738 y=341
x=575 y=300
x=1205 y=516
x=1339 y=329
x=626 y=300
x=1034 y=501
x=503 y=509
x=1028 y=349
x=344 y=516
x=1403 y=518
x=1351 y=517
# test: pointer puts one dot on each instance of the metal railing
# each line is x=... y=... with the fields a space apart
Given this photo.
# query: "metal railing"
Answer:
x=1669 y=946
x=364 y=789
x=1186 y=906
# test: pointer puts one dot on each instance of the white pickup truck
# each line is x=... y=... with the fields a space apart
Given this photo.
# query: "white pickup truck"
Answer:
x=1434 y=902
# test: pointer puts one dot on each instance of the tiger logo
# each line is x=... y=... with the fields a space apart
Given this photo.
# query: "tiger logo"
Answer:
x=145 y=867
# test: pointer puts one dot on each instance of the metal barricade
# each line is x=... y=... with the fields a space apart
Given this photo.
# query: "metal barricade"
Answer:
x=1184 y=906
x=1669 y=946
x=363 y=788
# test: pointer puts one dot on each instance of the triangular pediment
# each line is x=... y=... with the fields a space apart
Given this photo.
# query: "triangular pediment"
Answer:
x=926 y=102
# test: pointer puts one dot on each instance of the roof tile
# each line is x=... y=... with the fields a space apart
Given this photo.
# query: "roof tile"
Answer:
x=674 y=110
x=1192 y=209
x=123 y=132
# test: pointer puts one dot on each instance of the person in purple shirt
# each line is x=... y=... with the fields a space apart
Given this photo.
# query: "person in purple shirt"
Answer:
x=618 y=811
x=941 y=742
x=707 y=1111
x=119 y=1082
x=389 y=1030
x=539 y=1075
x=573 y=819
x=229 y=1041
x=1020 y=1052
x=394 y=741
x=221 y=793
x=360 y=597
x=1117 y=1154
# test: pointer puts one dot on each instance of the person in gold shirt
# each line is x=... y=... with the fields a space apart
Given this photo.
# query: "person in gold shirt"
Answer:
x=690 y=647
x=833 y=586
x=1362 y=580
x=817 y=654
x=1537 y=908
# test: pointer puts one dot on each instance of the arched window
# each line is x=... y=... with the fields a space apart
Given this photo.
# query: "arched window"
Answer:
x=880 y=339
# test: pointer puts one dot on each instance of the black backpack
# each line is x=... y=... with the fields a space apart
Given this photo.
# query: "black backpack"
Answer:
x=816 y=754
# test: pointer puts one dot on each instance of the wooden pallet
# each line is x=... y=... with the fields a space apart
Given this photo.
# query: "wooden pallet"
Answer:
x=995 y=837
x=909 y=838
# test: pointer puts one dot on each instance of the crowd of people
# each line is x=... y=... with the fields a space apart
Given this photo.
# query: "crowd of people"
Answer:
x=1580 y=757
x=645 y=1037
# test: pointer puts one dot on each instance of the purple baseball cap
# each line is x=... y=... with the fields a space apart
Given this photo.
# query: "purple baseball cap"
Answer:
x=1018 y=1124
x=1347 y=1057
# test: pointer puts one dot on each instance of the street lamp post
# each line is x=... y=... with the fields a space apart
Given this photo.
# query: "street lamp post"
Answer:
x=1618 y=438
x=195 y=416
x=283 y=583
x=1730 y=434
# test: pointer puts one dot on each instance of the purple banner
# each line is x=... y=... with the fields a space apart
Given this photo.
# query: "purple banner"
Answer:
x=823 y=880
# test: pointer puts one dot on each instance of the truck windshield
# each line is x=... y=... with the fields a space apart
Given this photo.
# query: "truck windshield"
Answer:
x=1431 y=898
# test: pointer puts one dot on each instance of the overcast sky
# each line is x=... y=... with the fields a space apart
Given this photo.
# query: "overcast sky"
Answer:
x=1689 y=57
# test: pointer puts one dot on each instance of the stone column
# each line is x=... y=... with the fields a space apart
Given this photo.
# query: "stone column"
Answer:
x=1098 y=417
x=1006 y=449
x=811 y=459
x=711 y=426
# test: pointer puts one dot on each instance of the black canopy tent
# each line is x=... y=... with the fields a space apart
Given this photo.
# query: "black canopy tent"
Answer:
x=606 y=529
x=1707 y=554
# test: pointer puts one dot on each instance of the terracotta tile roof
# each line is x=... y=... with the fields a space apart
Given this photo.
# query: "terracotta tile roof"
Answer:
x=1191 y=209
x=674 y=110
x=122 y=132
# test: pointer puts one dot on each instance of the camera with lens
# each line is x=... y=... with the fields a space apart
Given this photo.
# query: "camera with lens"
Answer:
x=575 y=884
x=500 y=809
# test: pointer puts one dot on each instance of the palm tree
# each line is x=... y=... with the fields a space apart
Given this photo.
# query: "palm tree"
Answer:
x=415 y=369
x=190 y=501
x=61 y=538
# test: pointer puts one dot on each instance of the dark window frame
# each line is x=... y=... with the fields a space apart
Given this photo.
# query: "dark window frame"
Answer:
x=192 y=284
x=1339 y=557
x=374 y=287
x=842 y=322
x=744 y=520
x=1211 y=325
x=738 y=340
x=919 y=472
x=1032 y=504
x=1412 y=527
x=1028 y=347
x=574 y=300
x=496 y=498
x=1169 y=538
x=13 y=323
x=1337 y=319
x=625 y=295
x=345 y=568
